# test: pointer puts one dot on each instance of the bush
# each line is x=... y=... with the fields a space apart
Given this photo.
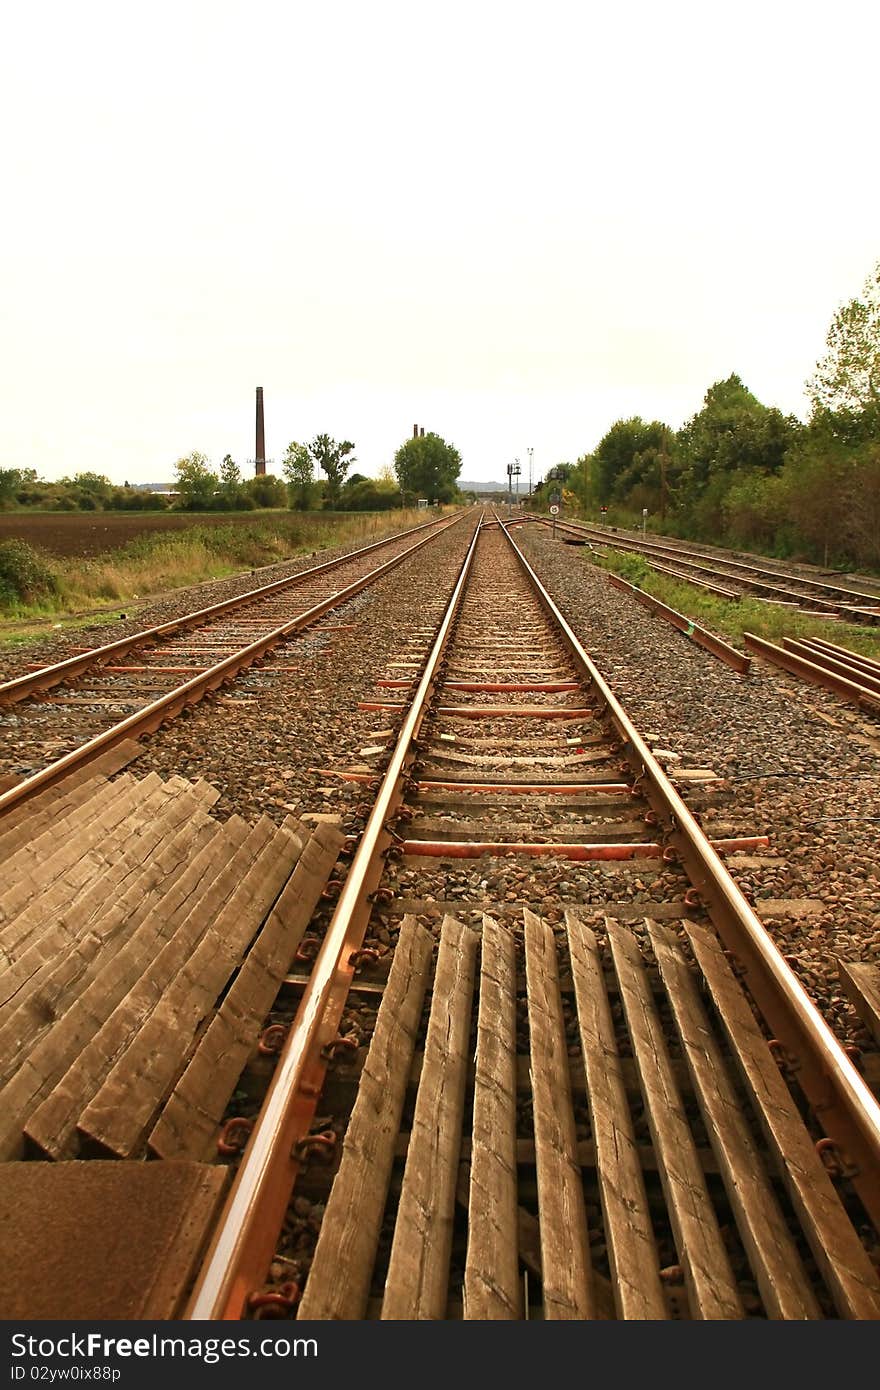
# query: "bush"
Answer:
x=25 y=574
x=368 y=496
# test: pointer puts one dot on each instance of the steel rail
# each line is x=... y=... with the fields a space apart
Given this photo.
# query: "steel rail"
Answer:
x=811 y=671
x=21 y=687
x=855 y=659
x=650 y=553
x=656 y=547
x=701 y=635
x=847 y=1110
x=245 y=1237
x=167 y=706
x=837 y=665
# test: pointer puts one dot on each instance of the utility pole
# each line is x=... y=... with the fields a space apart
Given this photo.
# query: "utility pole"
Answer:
x=530 y=451
x=663 y=462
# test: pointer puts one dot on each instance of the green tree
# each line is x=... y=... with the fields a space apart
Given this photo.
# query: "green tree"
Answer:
x=299 y=471
x=95 y=483
x=196 y=483
x=732 y=433
x=428 y=467
x=848 y=377
x=230 y=474
x=632 y=466
x=333 y=459
x=265 y=491
x=10 y=482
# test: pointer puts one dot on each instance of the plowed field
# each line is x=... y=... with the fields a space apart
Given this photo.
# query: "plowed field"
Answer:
x=94 y=533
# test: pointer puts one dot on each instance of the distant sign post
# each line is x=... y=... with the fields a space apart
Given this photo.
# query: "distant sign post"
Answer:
x=513 y=472
x=554 y=512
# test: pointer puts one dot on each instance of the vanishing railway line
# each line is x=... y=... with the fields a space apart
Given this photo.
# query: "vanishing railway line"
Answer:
x=626 y=1134
x=556 y=1100
x=133 y=686
x=732 y=579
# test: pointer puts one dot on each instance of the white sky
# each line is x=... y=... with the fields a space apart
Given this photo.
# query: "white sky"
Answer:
x=512 y=224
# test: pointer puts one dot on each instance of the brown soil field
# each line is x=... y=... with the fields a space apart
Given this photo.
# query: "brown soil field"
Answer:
x=95 y=533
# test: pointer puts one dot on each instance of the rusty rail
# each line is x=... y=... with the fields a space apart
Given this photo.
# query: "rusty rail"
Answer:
x=246 y=1234
x=248 y=1228
x=860 y=674
x=168 y=706
x=846 y=1108
x=813 y=671
x=700 y=634
x=21 y=687
x=869 y=603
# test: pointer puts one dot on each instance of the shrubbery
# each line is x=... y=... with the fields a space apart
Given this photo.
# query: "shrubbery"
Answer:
x=25 y=574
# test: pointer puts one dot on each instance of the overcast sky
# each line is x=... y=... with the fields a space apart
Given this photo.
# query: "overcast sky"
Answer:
x=512 y=224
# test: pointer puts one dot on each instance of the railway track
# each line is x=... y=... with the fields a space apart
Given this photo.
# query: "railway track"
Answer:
x=656 y=1120
x=732 y=579
x=56 y=718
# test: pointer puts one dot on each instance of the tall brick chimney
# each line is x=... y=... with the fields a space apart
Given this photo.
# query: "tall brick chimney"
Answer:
x=261 y=436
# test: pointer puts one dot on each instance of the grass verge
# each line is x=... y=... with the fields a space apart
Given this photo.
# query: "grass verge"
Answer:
x=731 y=619
x=36 y=588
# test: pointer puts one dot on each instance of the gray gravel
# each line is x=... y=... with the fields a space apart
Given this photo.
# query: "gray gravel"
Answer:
x=267 y=741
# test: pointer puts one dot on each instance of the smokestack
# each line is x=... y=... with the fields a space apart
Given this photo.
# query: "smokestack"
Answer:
x=423 y=431
x=415 y=431
x=261 y=436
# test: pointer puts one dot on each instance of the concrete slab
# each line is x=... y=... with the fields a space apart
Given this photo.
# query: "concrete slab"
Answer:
x=103 y=1239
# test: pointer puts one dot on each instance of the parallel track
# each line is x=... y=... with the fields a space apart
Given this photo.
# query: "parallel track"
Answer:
x=734 y=578
x=232 y=636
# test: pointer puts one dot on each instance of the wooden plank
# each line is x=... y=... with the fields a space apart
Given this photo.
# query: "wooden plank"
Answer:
x=338 y=1284
x=74 y=944
x=84 y=860
x=529 y=1236
x=48 y=871
x=708 y=1277
x=34 y=841
x=188 y=1124
x=417 y=1282
x=146 y=1064
x=54 y=921
x=29 y=824
x=632 y=1250
x=491 y=1275
x=42 y=1068
x=565 y=1248
x=851 y=1278
x=861 y=982
x=45 y=805
x=772 y=1252
x=39 y=863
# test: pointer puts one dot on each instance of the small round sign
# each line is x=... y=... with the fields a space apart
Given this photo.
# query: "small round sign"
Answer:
x=554 y=511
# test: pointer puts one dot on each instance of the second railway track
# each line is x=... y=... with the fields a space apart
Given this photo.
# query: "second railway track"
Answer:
x=57 y=717
x=731 y=578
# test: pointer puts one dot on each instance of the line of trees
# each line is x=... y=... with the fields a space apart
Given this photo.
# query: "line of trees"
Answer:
x=425 y=467
x=741 y=473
